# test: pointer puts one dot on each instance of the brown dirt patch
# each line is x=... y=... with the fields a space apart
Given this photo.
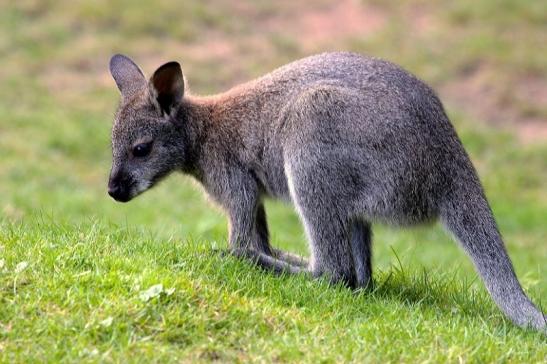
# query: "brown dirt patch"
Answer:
x=516 y=103
x=312 y=28
x=343 y=19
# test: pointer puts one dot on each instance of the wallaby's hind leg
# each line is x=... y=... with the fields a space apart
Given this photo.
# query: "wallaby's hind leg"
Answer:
x=361 y=246
x=330 y=248
x=327 y=230
x=467 y=214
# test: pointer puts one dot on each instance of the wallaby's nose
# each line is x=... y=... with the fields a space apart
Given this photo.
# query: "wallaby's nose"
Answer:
x=117 y=190
x=113 y=191
x=118 y=193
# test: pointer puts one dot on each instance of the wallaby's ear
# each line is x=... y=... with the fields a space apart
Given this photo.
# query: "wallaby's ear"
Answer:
x=128 y=76
x=167 y=86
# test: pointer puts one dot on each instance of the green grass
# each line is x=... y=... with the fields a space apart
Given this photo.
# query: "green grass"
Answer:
x=75 y=266
x=80 y=296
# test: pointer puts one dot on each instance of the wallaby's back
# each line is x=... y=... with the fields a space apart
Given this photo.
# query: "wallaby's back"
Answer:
x=395 y=120
x=377 y=79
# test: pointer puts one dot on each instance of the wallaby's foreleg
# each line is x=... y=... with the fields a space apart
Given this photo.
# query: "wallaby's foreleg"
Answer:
x=260 y=251
x=263 y=234
x=290 y=258
x=243 y=236
x=270 y=263
x=261 y=226
x=244 y=211
x=249 y=235
x=361 y=240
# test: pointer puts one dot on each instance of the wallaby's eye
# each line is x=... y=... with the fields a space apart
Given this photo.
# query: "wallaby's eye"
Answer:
x=142 y=150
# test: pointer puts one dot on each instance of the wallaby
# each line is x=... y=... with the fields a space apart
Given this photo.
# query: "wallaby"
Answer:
x=348 y=139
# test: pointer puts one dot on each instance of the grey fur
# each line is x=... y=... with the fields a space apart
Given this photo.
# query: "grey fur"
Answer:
x=348 y=139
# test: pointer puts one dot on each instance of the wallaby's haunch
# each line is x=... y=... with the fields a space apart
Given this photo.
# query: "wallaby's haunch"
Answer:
x=348 y=139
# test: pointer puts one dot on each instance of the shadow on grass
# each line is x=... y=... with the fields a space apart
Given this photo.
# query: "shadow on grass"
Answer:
x=446 y=292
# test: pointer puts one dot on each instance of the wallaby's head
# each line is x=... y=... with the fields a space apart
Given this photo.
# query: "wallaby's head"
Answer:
x=147 y=142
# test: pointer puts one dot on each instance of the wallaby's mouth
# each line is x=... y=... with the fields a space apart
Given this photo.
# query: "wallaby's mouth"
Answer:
x=123 y=193
x=121 y=198
x=123 y=188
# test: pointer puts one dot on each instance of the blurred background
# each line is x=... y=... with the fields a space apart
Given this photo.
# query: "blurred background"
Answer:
x=486 y=59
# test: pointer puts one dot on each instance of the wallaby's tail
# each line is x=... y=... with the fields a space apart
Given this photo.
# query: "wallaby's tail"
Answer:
x=466 y=213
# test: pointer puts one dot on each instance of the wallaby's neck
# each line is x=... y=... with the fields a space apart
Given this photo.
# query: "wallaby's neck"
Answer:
x=206 y=121
x=192 y=117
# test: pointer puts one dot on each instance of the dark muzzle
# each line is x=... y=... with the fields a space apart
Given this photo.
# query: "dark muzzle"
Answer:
x=119 y=188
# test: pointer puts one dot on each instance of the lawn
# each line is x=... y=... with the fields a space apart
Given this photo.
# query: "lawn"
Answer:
x=83 y=278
